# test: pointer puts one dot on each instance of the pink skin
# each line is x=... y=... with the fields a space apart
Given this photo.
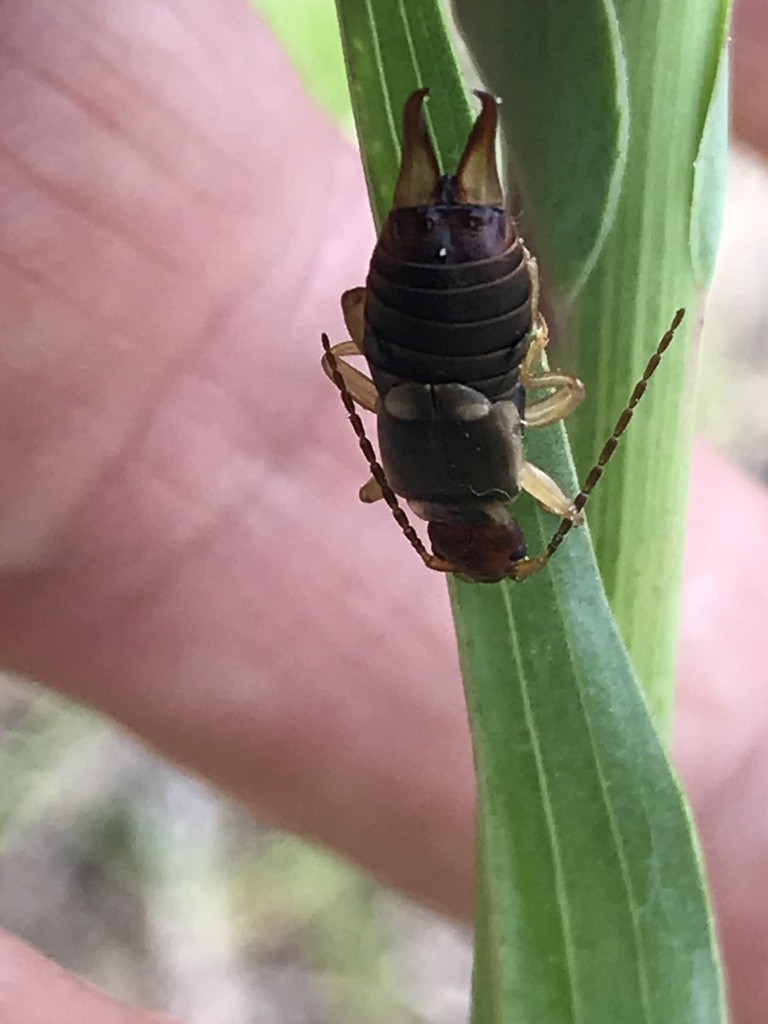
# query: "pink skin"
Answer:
x=180 y=541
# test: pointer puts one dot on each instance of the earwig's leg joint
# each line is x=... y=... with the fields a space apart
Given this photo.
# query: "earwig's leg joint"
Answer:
x=539 y=341
x=528 y=567
x=370 y=492
x=567 y=395
x=548 y=494
x=360 y=387
x=567 y=390
x=353 y=310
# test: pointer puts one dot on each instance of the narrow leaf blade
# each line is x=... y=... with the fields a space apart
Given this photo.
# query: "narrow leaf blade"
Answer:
x=591 y=905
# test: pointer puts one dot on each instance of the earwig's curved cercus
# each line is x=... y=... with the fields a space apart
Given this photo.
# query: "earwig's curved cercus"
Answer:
x=450 y=327
x=419 y=169
x=477 y=173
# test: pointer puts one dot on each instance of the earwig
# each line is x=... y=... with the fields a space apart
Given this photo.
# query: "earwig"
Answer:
x=450 y=327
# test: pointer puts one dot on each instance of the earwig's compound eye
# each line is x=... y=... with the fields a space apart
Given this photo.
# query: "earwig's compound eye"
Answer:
x=518 y=554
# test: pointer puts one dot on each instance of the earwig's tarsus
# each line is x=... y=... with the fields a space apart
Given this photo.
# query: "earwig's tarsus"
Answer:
x=377 y=472
x=608 y=448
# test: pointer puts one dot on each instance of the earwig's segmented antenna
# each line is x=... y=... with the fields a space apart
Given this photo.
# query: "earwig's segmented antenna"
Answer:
x=611 y=444
x=377 y=472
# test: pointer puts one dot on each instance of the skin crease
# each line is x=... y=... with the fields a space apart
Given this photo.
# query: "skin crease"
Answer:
x=180 y=543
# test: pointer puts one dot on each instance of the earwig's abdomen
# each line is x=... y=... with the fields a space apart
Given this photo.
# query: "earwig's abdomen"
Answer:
x=454 y=317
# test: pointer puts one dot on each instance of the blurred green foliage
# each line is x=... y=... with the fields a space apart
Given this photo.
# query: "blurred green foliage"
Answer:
x=315 y=50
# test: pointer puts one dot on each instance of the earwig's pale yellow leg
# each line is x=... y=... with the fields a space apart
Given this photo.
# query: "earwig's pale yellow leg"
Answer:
x=567 y=395
x=371 y=491
x=353 y=310
x=568 y=390
x=548 y=494
x=360 y=387
x=539 y=341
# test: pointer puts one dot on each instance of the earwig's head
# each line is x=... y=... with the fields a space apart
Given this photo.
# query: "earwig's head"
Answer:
x=451 y=218
x=482 y=554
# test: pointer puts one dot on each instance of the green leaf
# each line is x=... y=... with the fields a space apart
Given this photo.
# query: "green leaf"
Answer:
x=709 y=178
x=659 y=245
x=591 y=905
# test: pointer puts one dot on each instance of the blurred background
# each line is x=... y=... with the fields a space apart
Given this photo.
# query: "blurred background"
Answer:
x=163 y=892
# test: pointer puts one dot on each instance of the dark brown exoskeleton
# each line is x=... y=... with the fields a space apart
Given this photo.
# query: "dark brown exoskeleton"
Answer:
x=450 y=326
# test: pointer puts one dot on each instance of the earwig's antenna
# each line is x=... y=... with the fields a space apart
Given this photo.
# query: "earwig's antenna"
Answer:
x=611 y=444
x=377 y=471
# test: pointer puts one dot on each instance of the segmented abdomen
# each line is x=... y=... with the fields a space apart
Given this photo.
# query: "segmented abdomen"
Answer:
x=433 y=323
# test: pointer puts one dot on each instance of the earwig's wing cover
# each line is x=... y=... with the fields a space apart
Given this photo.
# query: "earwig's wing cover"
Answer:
x=419 y=169
x=478 y=175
